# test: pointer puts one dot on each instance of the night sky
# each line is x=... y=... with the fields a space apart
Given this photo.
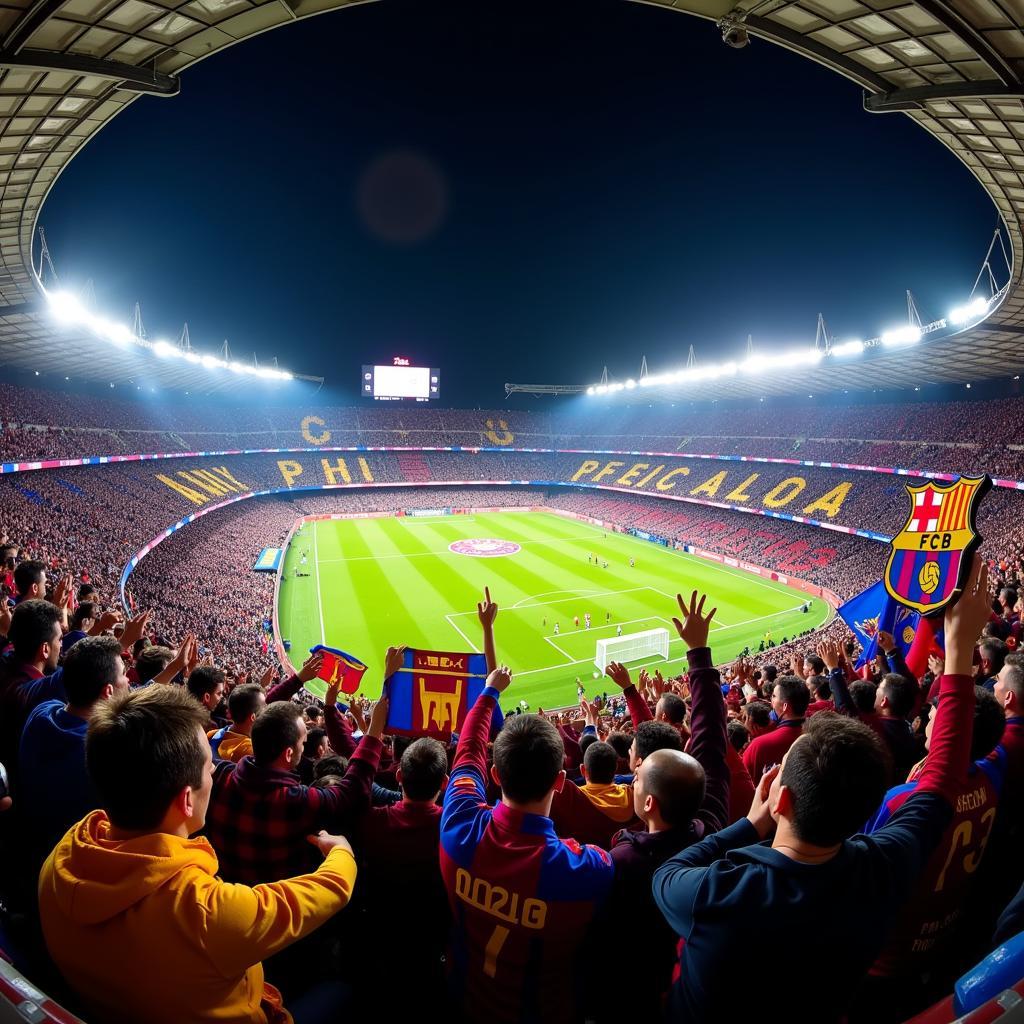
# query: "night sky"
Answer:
x=517 y=192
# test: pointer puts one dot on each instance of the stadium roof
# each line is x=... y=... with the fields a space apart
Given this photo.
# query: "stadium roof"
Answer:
x=68 y=66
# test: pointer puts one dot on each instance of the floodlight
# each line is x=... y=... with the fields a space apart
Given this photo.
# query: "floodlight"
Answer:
x=848 y=348
x=974 y=310
x=908 y=335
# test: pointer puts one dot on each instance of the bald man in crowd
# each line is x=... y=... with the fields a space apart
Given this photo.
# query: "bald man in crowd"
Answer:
x=680 y=798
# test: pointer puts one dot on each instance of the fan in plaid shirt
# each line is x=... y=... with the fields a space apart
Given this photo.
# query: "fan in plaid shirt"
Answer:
x=260 y=814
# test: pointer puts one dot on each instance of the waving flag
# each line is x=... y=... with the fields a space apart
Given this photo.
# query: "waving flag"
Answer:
x=872 y=612
x=433 y=691
x=339 y=667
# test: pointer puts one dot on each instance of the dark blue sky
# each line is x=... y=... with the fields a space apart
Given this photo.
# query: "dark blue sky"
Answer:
x=602 y=180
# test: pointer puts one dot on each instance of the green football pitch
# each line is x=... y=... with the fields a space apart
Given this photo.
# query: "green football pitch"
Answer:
x=371 y=583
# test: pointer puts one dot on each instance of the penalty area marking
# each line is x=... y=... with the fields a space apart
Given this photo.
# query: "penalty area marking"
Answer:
x=637 y=665
x=466 y=638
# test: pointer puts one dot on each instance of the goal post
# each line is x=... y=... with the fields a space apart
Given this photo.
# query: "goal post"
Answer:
x=650 y=643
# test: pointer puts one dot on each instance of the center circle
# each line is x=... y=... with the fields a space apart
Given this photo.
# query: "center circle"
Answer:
x=484 y=547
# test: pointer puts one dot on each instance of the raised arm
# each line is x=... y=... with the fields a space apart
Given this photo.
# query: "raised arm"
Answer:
x=287 y=688
x=707 y=715
x=246 y=925
x=949 y=749
x=471 y=754
x=638 y=709
x=831 y=654
x=487 y=611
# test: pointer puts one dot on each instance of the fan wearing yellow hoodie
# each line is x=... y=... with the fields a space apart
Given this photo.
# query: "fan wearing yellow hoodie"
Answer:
x=131 y=908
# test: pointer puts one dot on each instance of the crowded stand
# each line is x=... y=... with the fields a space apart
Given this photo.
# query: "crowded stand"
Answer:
x=942 y=437
x=190 y=835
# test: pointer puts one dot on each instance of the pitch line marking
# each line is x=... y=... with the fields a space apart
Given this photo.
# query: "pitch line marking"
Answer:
x=466 y=638
x=548 y=593
x=645 y=662
x=599 y=629
x=519 y=606
x=319 y=598
x=564 y=654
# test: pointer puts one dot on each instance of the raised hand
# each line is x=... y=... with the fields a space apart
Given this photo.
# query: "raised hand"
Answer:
x=331 y=696
x=619 y=674
x=135 y=630
x=694 y=627
x=393 y=660
x=796 y=665
x=379 y=718
x=325 y=842
x=759 y=815
x=356 y=711
x=829 y=653
x=886 y=641
x=487 y=610
x=658 y=684
x=936 y=665
x=500 y=678
x=62 y=591
x=311 y=666
x=589 y=712
x=5 y=617
x=966 y=619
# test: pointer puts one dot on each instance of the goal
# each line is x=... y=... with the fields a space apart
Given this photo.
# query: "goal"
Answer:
x=651 y=643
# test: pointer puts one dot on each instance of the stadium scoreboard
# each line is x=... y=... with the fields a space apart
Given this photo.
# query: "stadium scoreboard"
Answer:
x=400 y=382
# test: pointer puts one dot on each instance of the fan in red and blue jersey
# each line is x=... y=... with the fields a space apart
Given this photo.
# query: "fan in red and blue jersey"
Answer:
x=521 y=897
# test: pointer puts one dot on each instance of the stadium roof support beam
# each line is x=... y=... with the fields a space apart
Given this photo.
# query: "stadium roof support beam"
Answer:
x=947 y=16
x=134 y=79
x=33 y=17
x=913 y=99
x=545 y=389
x=817 y=51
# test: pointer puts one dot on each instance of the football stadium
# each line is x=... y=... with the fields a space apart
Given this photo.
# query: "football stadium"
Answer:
x=437 y=664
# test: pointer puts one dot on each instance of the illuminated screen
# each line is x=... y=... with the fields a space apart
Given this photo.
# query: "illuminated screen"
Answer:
x=395 y=383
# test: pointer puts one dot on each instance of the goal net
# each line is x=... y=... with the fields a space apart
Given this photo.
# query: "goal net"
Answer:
x=651 y=643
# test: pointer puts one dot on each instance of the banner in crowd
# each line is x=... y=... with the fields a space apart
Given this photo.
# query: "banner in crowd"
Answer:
x=432 y=692
x=874 y=611
x=339 y=667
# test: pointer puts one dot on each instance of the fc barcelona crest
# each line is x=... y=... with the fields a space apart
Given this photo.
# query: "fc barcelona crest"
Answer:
x=931 y=556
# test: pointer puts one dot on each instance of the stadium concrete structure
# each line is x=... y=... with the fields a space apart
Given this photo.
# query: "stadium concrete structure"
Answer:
x=68 y=66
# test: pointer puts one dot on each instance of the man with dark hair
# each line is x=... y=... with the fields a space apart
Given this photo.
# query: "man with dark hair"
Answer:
x=896 y=698
x=521 y=897
x=52 y=744
x=127 y=889
x=208 y=684
x=817 y=877
x=756 y=715
x=671 y=708
x=152 y=662
x=789 y=702
x=28 y=672
x=992 y=652
x=400 y=875
x=821 y=695
x=679 y=798
x=260 y=813
x=30 y=581
x=863 y=694
x=245 y=704
x=908 y=974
